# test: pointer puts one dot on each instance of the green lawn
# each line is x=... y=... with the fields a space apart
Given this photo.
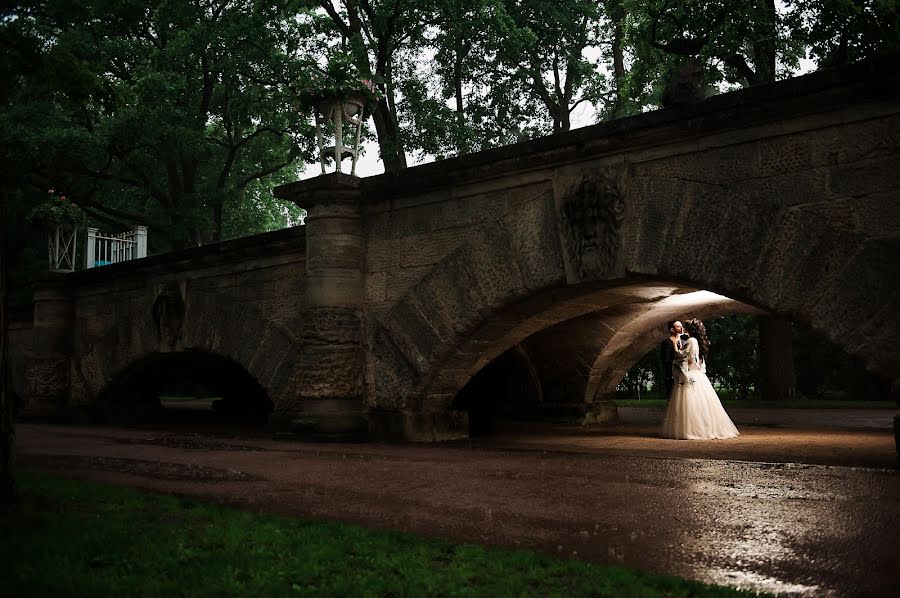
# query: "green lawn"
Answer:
x=70 y=538
x=758 y=404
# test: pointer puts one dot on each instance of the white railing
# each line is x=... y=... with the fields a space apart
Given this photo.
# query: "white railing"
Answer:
x=103 y=250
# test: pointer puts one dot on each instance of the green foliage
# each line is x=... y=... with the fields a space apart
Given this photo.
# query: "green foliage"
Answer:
x=57 y=210
x=843 y=31
x=340 y=79
x=644 y=378
x=738 y=42
x=733 y=363
x=158 y=113
x=108 y=541
x=825 y=372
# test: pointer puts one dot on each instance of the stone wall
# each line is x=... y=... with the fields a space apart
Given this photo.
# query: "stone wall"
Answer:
x=781 y=197
x=240 y=300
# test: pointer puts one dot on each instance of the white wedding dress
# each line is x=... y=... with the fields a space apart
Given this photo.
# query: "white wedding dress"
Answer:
x=694 y=411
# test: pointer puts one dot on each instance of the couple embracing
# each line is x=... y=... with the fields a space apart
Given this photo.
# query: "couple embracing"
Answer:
x=694 y=411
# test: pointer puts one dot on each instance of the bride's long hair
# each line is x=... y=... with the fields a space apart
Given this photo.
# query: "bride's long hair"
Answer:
x=698 y=331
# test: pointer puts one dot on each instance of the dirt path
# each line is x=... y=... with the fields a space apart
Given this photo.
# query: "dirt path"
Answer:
x=754 y=516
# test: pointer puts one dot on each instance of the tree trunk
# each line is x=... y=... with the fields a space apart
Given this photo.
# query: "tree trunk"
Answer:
x=392 y=153
x=617 y=15
x=765 y=47
x=776 y=359
x=7 y=413
x=463 y=146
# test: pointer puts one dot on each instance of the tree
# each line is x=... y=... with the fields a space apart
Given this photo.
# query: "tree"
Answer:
x=166 y=113
x=843 y=31
x=734 y=354
x=739 y=43
x=7 y=429
x=776 y=357
x=374 y=32
x=645 y=372
x=541 y=45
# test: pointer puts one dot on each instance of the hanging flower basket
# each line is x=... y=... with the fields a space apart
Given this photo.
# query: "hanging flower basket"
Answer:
x=340 y=81
x=57 y=211
x=61 y=219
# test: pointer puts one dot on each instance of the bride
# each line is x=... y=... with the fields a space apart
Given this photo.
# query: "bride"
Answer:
x=694 y=411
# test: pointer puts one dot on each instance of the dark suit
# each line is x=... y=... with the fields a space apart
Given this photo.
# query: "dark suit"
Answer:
x=667 y=354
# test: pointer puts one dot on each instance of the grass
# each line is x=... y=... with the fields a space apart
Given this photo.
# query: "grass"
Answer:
x=758 y=404
x=70 y=538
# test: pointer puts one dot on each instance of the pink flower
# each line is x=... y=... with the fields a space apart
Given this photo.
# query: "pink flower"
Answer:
x=50 y=191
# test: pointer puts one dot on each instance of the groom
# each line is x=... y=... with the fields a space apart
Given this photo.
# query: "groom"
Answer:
x=667 y=351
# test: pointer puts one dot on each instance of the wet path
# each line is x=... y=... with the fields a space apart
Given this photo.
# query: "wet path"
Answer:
x=803 y=529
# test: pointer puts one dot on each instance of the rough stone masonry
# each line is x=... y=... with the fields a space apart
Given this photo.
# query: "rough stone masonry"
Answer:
x=557 y=258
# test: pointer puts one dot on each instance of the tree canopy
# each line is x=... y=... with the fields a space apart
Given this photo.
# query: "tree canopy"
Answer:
x=181 y=115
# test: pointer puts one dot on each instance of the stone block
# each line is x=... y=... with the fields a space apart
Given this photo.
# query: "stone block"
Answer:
x=877 y=215
x=429 y=249
x=655 y=204
x=275 y=348
x=850 y=142
x=337 y=287
x=601 y=412
x=435 y=426
x=534 y=234
x=46 y=386
x=330 y=326
x=784 y=154
x=400 y=281
x=863 y=290
x=376 y=287
x=382 y=254
x=327 y=372
x=865 y=177
x=803 y=255
x=386 y=425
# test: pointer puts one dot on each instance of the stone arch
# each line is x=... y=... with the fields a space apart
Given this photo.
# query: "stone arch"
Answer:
x=133 y=392
x=613 y=231
x=509 y=386
x=644 y=332
x=194 y=324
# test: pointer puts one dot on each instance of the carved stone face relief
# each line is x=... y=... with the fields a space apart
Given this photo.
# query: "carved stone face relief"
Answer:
x=592 y=213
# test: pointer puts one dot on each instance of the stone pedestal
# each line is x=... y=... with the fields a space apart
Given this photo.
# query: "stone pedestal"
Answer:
x=328 y=386
x=47 y=368
x=601 y=412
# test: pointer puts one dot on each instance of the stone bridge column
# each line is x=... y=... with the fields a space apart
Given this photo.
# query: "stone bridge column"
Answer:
x=47 y=368
x=329 y=384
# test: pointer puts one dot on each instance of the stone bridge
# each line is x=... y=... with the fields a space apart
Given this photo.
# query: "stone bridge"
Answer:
x=540 y=272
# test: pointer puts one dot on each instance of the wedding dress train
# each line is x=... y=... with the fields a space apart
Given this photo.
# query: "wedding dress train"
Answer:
x=694 y=411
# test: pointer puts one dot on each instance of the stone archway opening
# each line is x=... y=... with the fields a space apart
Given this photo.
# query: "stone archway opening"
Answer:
x=567 y=369
x=187 y=387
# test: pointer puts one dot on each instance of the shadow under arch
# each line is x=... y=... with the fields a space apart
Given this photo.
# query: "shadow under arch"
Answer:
x=646 y=331
x=565 y=363
x=639 y=306
x=133 y=395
